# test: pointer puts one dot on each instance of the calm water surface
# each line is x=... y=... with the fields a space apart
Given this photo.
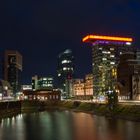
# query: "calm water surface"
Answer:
x=66 y=125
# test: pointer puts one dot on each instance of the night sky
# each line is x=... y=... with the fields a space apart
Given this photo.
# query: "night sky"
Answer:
x=41 y=29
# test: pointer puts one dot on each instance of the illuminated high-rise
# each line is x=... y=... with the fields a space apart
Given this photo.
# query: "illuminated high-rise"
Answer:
x=106 y=52
x=65 y=70
x=12 y=69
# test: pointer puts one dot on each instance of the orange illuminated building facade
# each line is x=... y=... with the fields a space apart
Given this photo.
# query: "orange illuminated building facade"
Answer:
x=83 y=88
x=89 y=85
x=78 y=88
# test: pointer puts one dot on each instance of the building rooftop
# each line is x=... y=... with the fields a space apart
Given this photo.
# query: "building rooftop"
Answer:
x=93 y=38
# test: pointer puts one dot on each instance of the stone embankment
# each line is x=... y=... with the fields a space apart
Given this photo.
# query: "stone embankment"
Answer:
x=9 y=108
x=128 y=112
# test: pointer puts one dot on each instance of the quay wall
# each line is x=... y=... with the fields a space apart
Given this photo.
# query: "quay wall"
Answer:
x=121 y=111
x=8 y=108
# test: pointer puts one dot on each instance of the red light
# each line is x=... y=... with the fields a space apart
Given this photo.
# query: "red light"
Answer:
x=69 y=77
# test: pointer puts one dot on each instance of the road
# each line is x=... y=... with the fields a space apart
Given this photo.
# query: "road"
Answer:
x=125 y=102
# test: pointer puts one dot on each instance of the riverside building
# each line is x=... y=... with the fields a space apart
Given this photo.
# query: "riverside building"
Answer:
x=79 y=88
x=83 y=88
x=129 y=76
x=106 y=51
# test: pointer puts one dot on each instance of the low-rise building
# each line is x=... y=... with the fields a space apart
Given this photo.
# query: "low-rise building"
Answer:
x=43 y=95
x=78 y=88
x=6 y=90
x=26 y=87
x=83 y=88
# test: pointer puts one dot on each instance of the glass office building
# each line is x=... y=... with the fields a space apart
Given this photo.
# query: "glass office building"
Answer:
x=106 y=51
x=65 y=70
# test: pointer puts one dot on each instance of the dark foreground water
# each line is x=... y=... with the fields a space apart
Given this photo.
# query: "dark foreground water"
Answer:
x=65 y=125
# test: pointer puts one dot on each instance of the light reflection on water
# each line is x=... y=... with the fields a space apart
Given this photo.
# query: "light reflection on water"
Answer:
x=66 y=125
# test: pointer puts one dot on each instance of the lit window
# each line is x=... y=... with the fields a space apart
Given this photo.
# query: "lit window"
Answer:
x=112 y=49
x=49 y=85
x=112 y=56
x=50 y=78
x=66 y=61
x=104 y=59
x=128 y=43
x=64 y=68
x=59 y=74
x=44 y=78
x=104 y=52
x=112 y=63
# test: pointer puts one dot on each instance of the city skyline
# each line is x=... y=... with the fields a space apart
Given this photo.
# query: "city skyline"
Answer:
x=70 y=70
x=41 y=30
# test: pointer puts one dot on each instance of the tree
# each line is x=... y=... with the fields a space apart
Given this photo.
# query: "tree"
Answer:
x=112 y=99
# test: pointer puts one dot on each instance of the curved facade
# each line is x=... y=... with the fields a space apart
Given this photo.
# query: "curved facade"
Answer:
x=65 y=70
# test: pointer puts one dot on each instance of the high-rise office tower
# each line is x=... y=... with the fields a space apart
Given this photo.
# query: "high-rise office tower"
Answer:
x=106 y=52
x=65 y=69
x=12 y=69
